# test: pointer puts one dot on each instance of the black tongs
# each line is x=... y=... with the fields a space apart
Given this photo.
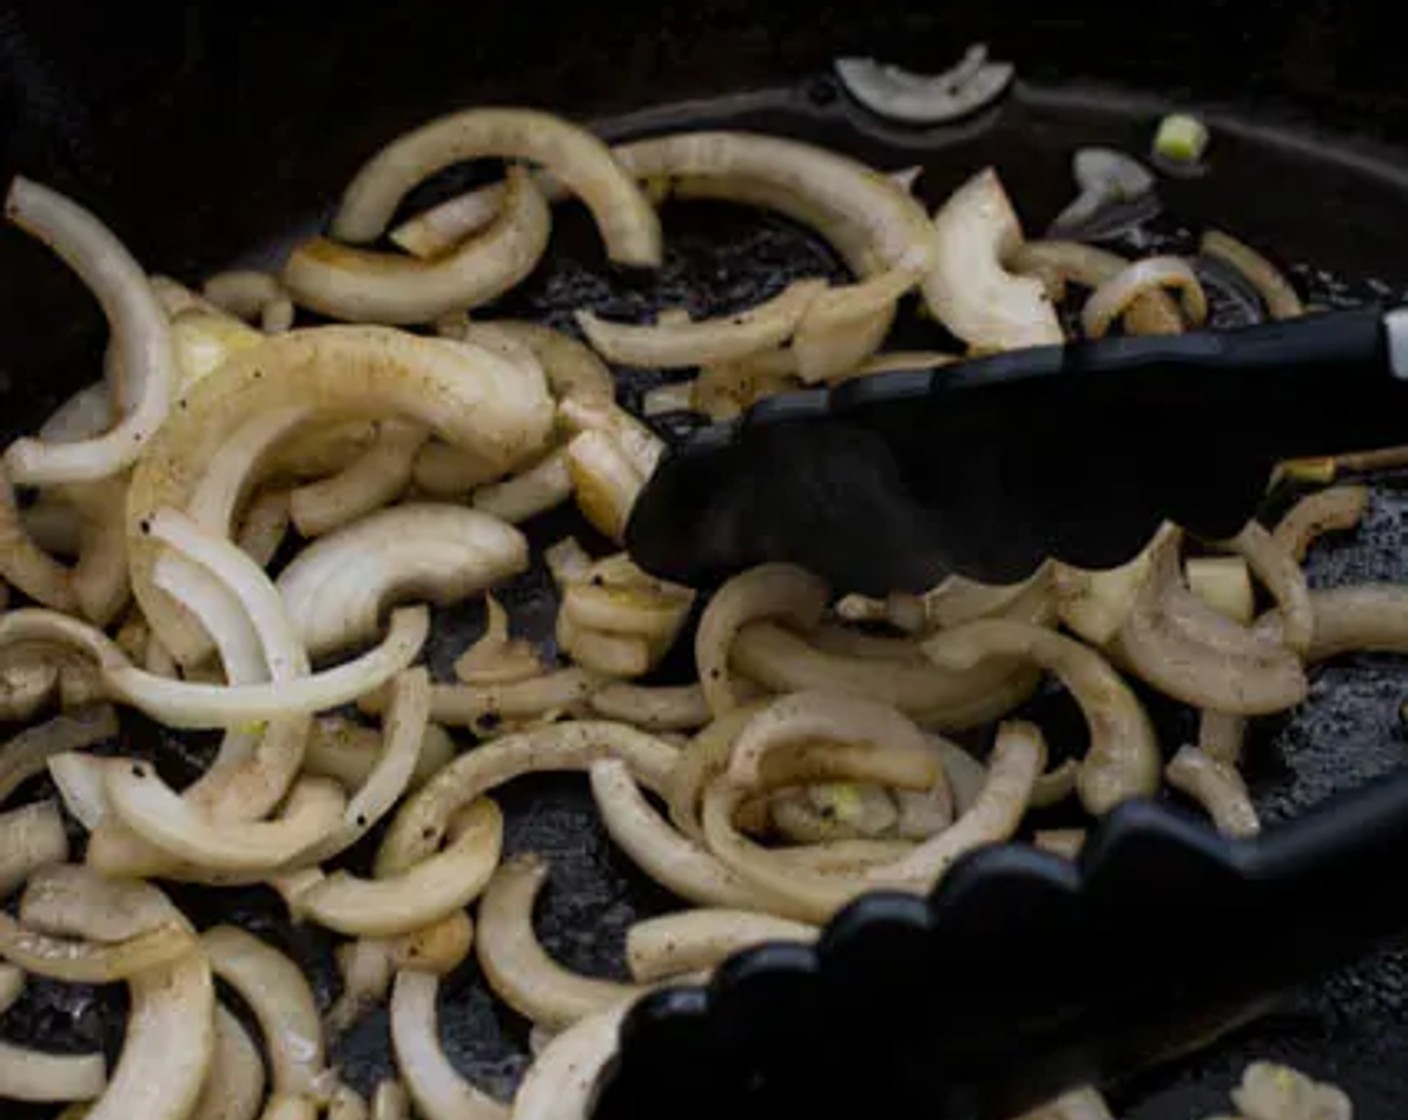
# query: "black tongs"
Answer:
x=988 y=467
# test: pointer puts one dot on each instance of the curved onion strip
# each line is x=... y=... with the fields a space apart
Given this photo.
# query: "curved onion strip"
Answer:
x=939 y=697
x=1280 y=574
x=900 y=95
x=348 y=752
x=1116 y=296
x=238 y=463
x=390 y=1101
x=433 y=888
x=71 y=901
x=444 y=471
x=495 y=657
x=439 y=948
x=957 y=600
x=264 y=526
x=700 y=939
x=27 y=754
x=844 y=326
x=436 y=1087
x=1057 y=262
x=375 y=479
x=573 y=370
x=1123 y=759
x=31 y=837
x=577 y=159
x=723 y=391
x=1217 y=787
x=674 y=861
x=1270 y=283
x=99 y=579
x=278 y=994
x=641 y=447
x=141 y=338
x=367 y=969
x=82 y=962
x=218 y=610
x=1220 y=736
x=420 y=825
x=24 y=564
x=248 y=294
x=468 y=705
x=86 y=414
x=516 y=966
x=1225 y=584
x=653 y=708
x=703 y=758
x=52 y=525
x=653 y=611
x=1186 y=649
x=1337 y=509
x=1363 y=617
x=367 y=286
x=336 y=589
x=234 y=1088
x=33 y=1075
x=568 y=562
x=79 y=778
x=727 y=338
x=611 y=655
x=11 y=986
x=968 y=289
x=768 y=591
x=537 y=489
x=604 y=481
x=468 y=396
x=559 y=1085
x=1055 y=785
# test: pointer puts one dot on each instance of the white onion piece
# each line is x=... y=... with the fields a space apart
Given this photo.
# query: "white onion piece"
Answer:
x=27 y=754
x=80 y=780
x=250 y=295
x=1220 y=737
x=573 y=370
x=700 y=939
x=432 y=889
x=444 y=471
x=1123 y=759
x=495 y=657
x=969 y=290
x=203 y=338
x=1326 y=511
x=390 y=1101
x=1276 y=1092
x=723 y=391
x=653 y=708
x=583 y=163
x=1064 y=842
x=899 y=95
x=471 y=705
x=86 y=414
x=468 y=396
x=31 y=837
x=1280 y=573
x=1271 y=285
x=1113 y=298
x=1225 y=584
x=560 y=1084
x=641 y=447
x=768 y=591
x=375 y=479
x=264 y=526
x=100 y=582
x=336 y=589
x=436 y=1087
x=516 y=966
x=604 y=481
x=24 y=564
x=140 y=337
x=11 y=986
x=241 y=458
x=726 y=338
x=1059 y=262
x=537 y=489
x=366 y=286
x=28 y=678
x=568 y=562
x=1109 y=181
x=610 y=655
x=1217 y=787
x=234 y=1088
x=675 y=861
x=278 y=994
x=420 y=825
x=1095 y=603
x=348 y=752
x=844 y=326
x=67 y=900
x=33 y=1075
x=1363 y=617
x=621 y=599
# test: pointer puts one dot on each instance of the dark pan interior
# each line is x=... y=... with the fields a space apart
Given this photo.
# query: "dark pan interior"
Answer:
x=215 y=134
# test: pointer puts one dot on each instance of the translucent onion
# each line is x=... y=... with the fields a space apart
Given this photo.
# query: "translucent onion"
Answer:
x=610 y=655
x=33 y=1075
x=86 y=414
x=80 y=780
x=1117 y=295
x=100 y=582
x=376 y=478
x=234 y=1088
x=31 y=837
x=84 y=962
x=605 y=482
x=1225 y=584
x=264 y=527
x=1123 y=759
x=653 y=708
x=1217 y=787
x=700 y=939
x=366 y=286
x=1057 y=262
x=27 y=755
x=723 y=391
x=1280 y=573
x=1275 y=290
x=337 y=588
x=472 y=705
x=845 y=325
x=436 y=1087
x=537 y=489
x=561 y=1083
x=24 y=564
x=495 y=657
x=253 y=296
x=969 y=290
x=1337 y=509
x=573 y=370
x=1272 y=1092
x=727 y=338
x=516 y=966
x=577 y=159
x=444 y=471
x=900 y=95
x=140 y=335
x=390 y=1101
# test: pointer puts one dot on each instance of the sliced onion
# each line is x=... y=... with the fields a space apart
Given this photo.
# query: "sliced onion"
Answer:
x=28 y=677
x=573 y=370
x=899 y=95
x=654 y=708
x=969 y=290
x=472 y=705
x=1123 y=759
x=561 y=1083
x=86 y=414
x=583 y=163
x=1270 y=1092
x=83 y=962
x=676 y=862
x=204 y=337
x=100 y=582
x=700 y=939
x=495 y=657
x=641 y=447
x=367 y=971
x=375 y=479
x=31 y=837
x=610 y=655
x=420 y=825
x=436 y=1087
x=723 y=391
x=704 y=758
x=1064 y=842
x=1337 y=509
x=618 y=598
x=604 y=480
x=844 y=326
x=1220 y=737
x=444 y=471
x=390 y=1101
x=336 y=589
x=28 y=753
x=278 y=994
x=234 y=1088
x=470 y=397
x=727 y=338
x=1094 y=604
x=768 y=591
x=11 y=986
x=80 y=780
x=1116 y=296
x=1362 y=617
x=1058 y=262
x=1225 y=584
x=33 y=1075
x=568 y=562
x=1275 y=290
x=537 y=489
x=1280 y=574
x=366 y=286
x=516 y=966
x=348 y=752
x=264 y=527
x=1217 y=787
x=282 y=1107
x=432 y=889
x=24 y=564
x=1055 y=785
x=140 y=338
x=347 y=1104
x=1186 y=649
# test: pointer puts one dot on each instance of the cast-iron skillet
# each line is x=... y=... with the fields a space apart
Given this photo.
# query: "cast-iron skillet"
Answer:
x=211 y=134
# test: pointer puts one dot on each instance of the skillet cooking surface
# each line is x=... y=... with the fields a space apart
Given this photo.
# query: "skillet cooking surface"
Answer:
x=1352 y=1028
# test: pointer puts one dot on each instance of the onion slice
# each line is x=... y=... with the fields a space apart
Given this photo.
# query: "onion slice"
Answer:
x=473 y=705
x=1217 y=787
x=700 y=939
x=24 y=564
x=516 y=966
x=1116 y=296
x=141 y=338
x=31 y=837
x=390 y=1101
x=1058 y=262
x=537 y=489
x=1281 y=574
x=349 y=752
x=1270 y=283
x=652 y=708
x=573 y=371
x=36 y=1076
x=28 y=753
x=253 y=296
x=234 y=1088
x=78 y=962
x=436 y=1087
x=605 y=481
x=1361 y=617
x=1337 y=509
x=899 y=95
x=560 y=1084
x=376 y=478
